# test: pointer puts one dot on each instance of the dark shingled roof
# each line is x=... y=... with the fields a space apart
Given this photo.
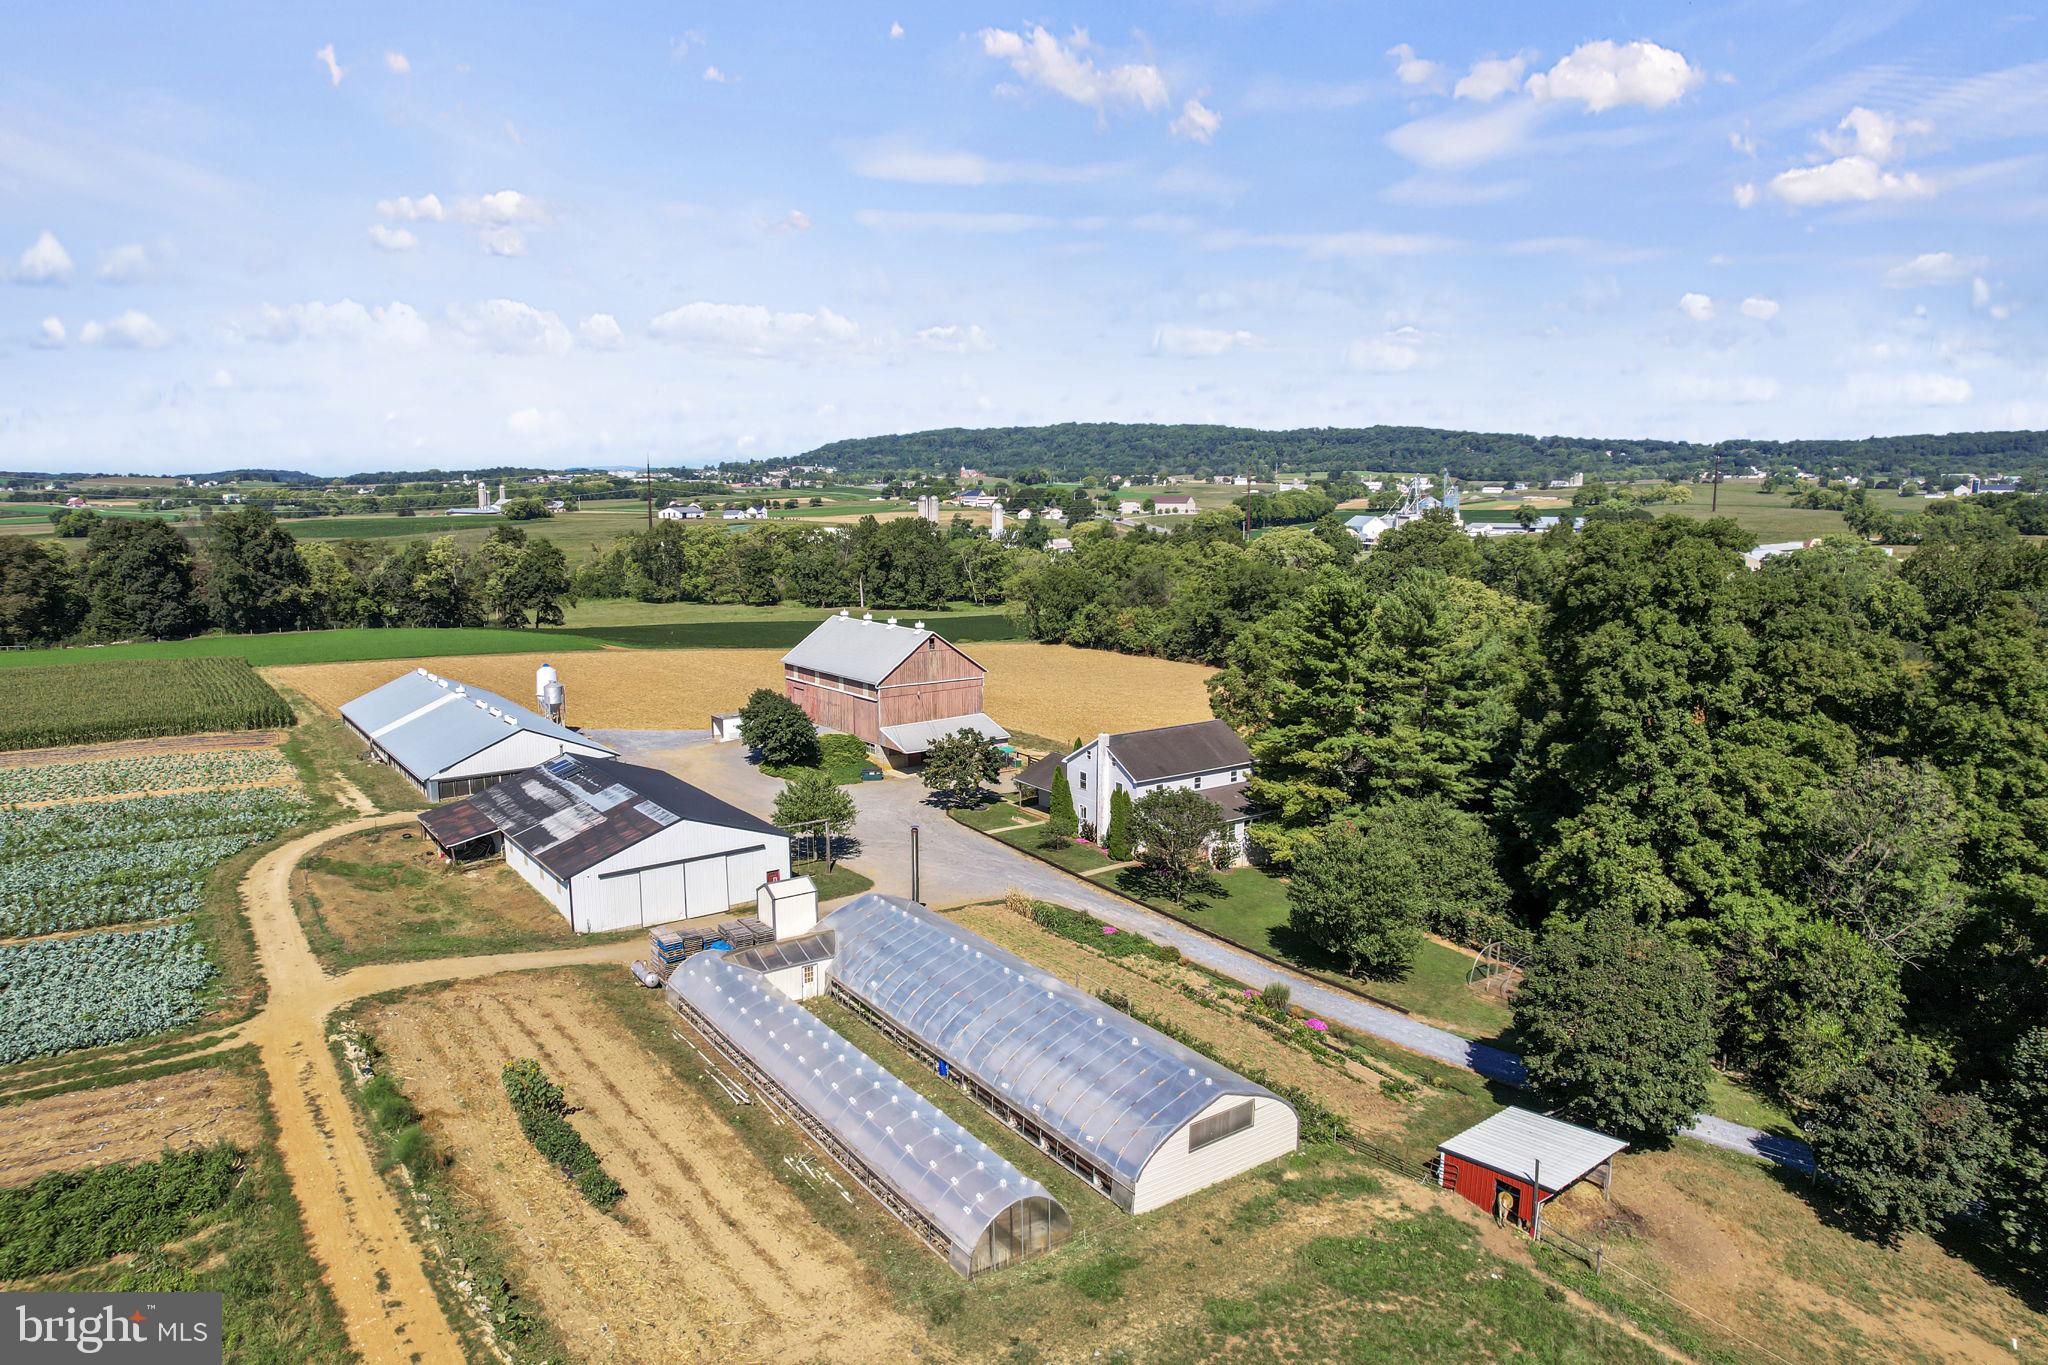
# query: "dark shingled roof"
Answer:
x=1175 y=750
x=1232 y=800
x=1039 y=772
x=571 y=813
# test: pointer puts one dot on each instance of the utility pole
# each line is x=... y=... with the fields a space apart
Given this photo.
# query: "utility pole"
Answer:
x=648 y=484
x=1714 y=502
x=916 y=887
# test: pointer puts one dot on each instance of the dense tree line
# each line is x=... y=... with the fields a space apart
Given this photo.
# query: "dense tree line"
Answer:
x=140 y=578
x=1071 y=450
x=1792 y=820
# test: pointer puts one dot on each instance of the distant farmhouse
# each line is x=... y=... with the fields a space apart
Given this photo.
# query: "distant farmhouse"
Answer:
x=1206 y=756
x=897 y=687
x=1174 y=504
x=613 y=845
x=451 y=739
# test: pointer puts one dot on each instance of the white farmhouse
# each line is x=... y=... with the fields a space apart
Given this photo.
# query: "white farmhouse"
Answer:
x=1174 y=504
x=614 y=845
x=1205 y=756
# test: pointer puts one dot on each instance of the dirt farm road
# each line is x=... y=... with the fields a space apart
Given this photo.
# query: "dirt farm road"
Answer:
x=352 y=1217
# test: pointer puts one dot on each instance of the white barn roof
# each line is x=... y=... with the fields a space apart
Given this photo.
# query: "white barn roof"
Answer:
x=428 y=724
x=914 y=737
x=856 y=648
x=1515 y=1140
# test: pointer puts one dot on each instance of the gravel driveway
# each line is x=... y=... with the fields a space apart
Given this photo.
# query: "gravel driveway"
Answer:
x=961 y=866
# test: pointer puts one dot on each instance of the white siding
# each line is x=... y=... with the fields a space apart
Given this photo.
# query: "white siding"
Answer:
x=1174 y=1171
x=607 y=903
x=539 y=877
x=1090 y=787
x=518 y=751
x=790 y=980
x=686 y=871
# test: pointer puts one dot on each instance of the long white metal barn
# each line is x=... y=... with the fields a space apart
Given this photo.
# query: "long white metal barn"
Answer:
x=452 y=739
x=1142 y=1118
x=613 y=845
x=948 y=1186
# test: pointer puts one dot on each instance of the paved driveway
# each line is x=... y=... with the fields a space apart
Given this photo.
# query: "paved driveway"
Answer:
x=961 y=866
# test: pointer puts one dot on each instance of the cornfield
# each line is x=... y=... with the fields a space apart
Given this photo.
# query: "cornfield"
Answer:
x=135 y=699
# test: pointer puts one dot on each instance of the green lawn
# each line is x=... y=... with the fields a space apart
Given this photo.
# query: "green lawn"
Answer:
x=841 y=881
x=1072 y=855
x=313 y=646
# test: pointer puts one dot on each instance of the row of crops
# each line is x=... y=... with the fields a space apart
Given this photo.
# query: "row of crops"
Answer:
x=145 y=772
x=116 y=862
x=135 y=699
x=58 y=995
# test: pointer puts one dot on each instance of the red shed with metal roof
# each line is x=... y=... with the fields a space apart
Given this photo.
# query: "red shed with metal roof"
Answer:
x=1504 y=1163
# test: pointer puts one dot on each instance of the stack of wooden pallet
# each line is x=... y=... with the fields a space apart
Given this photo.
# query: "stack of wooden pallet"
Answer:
x=668 y=948
x=744 y=933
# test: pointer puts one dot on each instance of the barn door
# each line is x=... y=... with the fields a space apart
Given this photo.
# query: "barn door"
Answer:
x=705 y=879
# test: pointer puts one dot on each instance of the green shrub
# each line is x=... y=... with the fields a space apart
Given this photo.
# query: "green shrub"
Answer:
x=1277 y=996
x=411 y=1148
x=1081 y=927
x=542 y=1110
x=81 y=1218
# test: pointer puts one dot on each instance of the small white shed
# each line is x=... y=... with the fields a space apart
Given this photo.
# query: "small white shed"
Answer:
x=725 y=726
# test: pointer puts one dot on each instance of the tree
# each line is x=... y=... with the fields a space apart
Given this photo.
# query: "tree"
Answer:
x=1116 y=840
x=1171 y=829
x=1900 y=1153
x=1617 y=1023
x=956 y=766
x=1881 y=859
x=534 y=580
x=2018 y=1189
x=138 y=581
x=1347 y=899
x=255 y=577
x=1064 y=823
x=525 y=509
x=812 y=799
x=38 y=597
x=74 y=523
x=777 y=729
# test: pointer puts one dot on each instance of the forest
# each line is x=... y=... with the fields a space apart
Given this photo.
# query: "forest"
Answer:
x=1070 y=451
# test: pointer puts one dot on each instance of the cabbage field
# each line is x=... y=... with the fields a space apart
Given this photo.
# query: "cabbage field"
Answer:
x=57 y=995
x=145 y=772
x=115 y=862
x=133 y=699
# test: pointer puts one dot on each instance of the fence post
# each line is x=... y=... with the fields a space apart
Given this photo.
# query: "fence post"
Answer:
x=1599 y=1258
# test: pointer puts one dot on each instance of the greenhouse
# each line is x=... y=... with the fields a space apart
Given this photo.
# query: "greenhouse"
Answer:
x=1140 y=1117
x=950 y=1188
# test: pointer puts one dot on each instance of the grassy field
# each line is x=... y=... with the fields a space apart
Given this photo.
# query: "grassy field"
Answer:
x=312 y=646
x=1041 y=689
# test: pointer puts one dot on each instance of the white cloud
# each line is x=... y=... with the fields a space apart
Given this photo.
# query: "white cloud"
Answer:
x=601 y=331
x=1065 y=69
x=512 y=328
x=796 y=220
x=1742 y=142
x=1454 y=140
x=950 y=220
x=1410 y=69
x=1606 y=75
x=1173 y=339
x=130 y=331
x=1848 y=179
x=393 y=326
x=220 y=379
x=1490 y=78
x=45 y=262
x=426 y=208
x=1197 y=122
x=51 y=334
x=502 y=241
x=1357 y=244
x=752 y=329
x=1727 y=389
x=912 y=165
x=391 y=238
x=1760 y=308
x=124 y=264
x=397 y=63
x=1931 y=269
x=537 y=423
x=895 y=30
x=1394 y=353
x=505 y=206
x=1745 y=195
x=1698 y=307
x=716 y=77
x=1980 y=293
x=335 y=70
x=1864 y=132
x=1916 y=390
x=957 y=339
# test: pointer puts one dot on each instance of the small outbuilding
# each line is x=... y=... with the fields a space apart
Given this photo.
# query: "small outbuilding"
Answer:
x=1518 y=1160
x=614 y=845
x=451 y=739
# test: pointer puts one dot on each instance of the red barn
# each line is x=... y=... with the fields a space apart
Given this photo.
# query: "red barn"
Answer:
x=897 y=687
x=1505 y=1163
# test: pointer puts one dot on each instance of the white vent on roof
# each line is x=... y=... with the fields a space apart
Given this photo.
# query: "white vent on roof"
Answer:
x=421 y=671
x=509 y=720
x=867 y=616
x=482 y=705
x=920 y=625
x=441 y=682
x=496 y=712
x=844 y=612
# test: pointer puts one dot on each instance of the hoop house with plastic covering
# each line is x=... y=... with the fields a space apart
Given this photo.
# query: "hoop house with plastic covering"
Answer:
x=1143 y=1118
x=948 y=1186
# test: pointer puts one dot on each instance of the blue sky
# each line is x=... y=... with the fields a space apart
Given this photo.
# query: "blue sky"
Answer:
x=374 y=236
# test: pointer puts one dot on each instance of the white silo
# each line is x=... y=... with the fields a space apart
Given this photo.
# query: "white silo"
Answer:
x=547 y=690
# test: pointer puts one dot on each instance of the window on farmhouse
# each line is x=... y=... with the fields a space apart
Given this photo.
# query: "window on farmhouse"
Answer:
x=1084 y=782
x=1215 y=1128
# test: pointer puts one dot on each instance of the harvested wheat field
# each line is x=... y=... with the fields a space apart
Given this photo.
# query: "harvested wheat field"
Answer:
x=1056 y=691
x=132 y=1122
x=708 y=1257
